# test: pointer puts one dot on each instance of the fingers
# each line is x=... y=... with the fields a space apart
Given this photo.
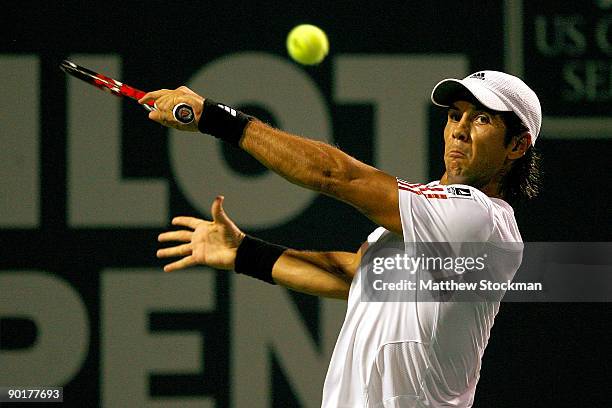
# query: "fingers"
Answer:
x=184 y=250
x=189 y=222
x=217 y=211
x=152 y=96
x=180 y=236
x=156 y=116
x=186 y=262
x=179 y=250
x=163 y=107
x=166 y=101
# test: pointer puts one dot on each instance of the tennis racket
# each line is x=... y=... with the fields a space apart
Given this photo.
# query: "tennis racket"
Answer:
x=182 y=112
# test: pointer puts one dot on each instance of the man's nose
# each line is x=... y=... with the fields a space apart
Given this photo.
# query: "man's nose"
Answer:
x=462 y=130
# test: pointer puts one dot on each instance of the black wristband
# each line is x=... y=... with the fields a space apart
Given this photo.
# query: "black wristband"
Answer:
x=223 y=122
x=256 y=257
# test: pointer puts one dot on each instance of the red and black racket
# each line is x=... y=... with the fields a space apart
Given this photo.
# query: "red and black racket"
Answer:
x=182 y=112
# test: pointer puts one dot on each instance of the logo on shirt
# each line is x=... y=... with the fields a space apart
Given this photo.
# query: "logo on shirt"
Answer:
x=459 y=192
x=434 y=190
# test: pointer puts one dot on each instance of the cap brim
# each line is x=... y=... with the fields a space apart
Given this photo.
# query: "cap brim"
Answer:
x=450 y=90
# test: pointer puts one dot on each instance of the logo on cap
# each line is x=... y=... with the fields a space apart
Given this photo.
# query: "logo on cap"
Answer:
x=478 y=75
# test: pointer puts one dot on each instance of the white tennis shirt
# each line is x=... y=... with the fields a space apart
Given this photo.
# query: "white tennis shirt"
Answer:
x=422 y=354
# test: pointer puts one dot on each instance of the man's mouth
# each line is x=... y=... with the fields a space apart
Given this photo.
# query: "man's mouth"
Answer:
x=456 y=154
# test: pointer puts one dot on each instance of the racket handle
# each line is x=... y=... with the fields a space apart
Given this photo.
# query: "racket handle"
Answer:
x=183 y=113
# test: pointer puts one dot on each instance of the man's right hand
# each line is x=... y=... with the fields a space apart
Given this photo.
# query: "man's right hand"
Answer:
x=212 y=243
x=165 y=101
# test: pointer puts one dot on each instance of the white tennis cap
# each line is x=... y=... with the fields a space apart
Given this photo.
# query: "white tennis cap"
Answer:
x=497 y=91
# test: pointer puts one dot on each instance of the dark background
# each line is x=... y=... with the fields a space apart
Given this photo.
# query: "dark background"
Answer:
x=539 y=355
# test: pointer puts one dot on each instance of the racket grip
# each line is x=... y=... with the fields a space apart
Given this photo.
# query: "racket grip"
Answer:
x=183 y=113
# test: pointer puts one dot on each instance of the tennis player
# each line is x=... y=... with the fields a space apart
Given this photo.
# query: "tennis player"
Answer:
x=388 y=354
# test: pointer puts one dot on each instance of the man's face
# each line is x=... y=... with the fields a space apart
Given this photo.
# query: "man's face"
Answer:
x=474 y=152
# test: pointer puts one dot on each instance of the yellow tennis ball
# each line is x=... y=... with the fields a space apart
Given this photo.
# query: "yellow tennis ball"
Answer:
x=307 y=44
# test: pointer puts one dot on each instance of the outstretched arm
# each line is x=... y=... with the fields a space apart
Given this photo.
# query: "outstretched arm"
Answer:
x=215 y=244
x=308 y=163
x=324 y=168
x=326 y=274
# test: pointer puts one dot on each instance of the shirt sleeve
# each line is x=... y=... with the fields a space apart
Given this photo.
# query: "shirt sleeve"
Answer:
x=444 y=213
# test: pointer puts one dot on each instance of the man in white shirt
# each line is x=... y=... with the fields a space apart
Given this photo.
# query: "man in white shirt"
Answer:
x=388 y=354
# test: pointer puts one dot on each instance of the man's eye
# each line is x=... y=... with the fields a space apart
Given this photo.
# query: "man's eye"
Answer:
x=482 y=119
x=454 y=116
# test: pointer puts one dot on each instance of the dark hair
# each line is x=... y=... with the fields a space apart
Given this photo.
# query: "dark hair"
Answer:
x=523 y=180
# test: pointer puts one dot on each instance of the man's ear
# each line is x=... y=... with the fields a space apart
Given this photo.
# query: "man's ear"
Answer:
x=519 y=146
